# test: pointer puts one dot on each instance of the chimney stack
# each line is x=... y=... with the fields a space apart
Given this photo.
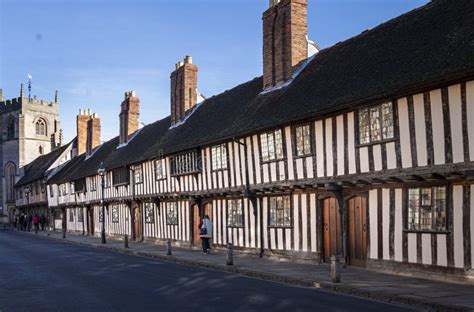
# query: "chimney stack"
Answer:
x=81 y=124
x=130 y=111
x=183 y=89
x=93 y=133
x=285 y=45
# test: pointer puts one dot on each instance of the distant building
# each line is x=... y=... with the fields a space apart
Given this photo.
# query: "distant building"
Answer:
x=29 y=128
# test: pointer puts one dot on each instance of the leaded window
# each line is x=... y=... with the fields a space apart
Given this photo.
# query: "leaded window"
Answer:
x=120 y=176
x=186 y=163
x=219 y=157
x=93 y=184
x=115 y=214
x=160 y=169
x=172 y=214
x=101 y=216
x=138 y=174
x=40 y=127
x=64 y=187
x=149 y=213
x=80 y=215
x=271 y=145
x=235 y=215
x=376 y=123
x=51 y=191
x=427 y=208
x=303 y=140
x=280 y=211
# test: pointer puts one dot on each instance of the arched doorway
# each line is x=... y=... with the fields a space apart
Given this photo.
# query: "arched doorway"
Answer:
x=332 y=229
x=357 y=231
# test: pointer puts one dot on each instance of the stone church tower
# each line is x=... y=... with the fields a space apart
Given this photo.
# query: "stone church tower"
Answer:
x=28 y=128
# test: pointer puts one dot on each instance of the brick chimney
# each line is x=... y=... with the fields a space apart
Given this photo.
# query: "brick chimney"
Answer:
x=81 y=123
x=93 y=133
x=130 y=111
x=285 y=45
x=183 y=89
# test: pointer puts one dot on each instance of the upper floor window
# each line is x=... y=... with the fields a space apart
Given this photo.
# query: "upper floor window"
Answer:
x=107 y=180
x=303 y=140
x=138 y=174
x=40 y=150
x=376 y=123
x=427 y=208
x=120 y=176
x=160 y=169
x=40 y=127
x=280 y=211
x=271 y=145
x=219 y=157
x=11 y=128
x=172 y=214
x=186 y=163
x=80 y=185
x=235 y=215
x=51 y=191
x=149 y=213
x=43 y=188
x=64 y=187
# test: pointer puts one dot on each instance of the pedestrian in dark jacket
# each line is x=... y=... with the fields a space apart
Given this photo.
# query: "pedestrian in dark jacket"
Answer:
x=42 y=221
x=36 y=221
x=21 y=223
x=29 y=220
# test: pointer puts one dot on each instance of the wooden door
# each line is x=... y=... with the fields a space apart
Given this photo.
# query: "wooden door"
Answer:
x=137 y=224
x=332 y=239
x=196 y=220
x=90 y=221
x=357 y=231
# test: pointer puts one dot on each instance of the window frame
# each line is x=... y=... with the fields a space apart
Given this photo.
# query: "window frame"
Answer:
x=447 y=197
x=123 y=173
x=175 y=208
x=41 y=127
x=223 y=163
x=185 y=164
x=149 y=210
x=230 y=204
x=295 y=140
x=162 y=162
x=115 y=214
x=275 y=151
x=290 y=211
x=137 y=169
x=383 y=139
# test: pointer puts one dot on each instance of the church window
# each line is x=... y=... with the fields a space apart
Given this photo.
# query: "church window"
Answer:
x=40 y=127
x=11 y=129
x=10 y=173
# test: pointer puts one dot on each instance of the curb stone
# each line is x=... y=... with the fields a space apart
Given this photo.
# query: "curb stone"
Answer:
x=326 y=286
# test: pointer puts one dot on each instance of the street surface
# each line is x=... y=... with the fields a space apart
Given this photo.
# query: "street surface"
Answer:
x=38 y=274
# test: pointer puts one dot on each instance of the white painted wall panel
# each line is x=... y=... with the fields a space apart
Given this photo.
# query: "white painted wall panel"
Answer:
x=398 y=238
x=405 y=144
x=391 y=156
x=442 y=255
x=412 y=254
x=340 y=144
x=373 y=224
x=455 y=112
x=386 y=223
x=470 y=119
x=458 y=226
x=420 y=130
x=329 y=143
x=304 y=218
x=437 y=126
x=289 y=153
x=377 y=154
x=472 y=226
x=296 y=219
x=351 y=142
x=364 y=159
x=319 y=148
x=426 y=248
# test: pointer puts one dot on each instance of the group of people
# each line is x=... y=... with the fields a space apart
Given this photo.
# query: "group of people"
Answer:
x=25 y=222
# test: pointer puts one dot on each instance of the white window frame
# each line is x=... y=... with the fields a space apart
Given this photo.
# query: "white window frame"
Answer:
x=235 y=213
x=219 y=157
x=271 y=146
x=303 y=142
x=376 y=124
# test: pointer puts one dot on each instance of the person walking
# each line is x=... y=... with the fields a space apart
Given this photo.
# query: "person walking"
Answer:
x=36 y=221
x=205 y=231
x=42 y=221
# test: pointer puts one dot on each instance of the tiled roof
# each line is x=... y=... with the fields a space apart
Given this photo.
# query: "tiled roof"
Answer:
x=426 y=47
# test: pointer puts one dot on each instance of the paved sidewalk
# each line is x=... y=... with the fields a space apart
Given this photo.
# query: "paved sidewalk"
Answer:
x=419 y=293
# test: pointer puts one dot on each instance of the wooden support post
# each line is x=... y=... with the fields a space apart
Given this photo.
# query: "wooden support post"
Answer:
x=125 y=241
x=230 y=254
x=335 y=269
x=168 y=248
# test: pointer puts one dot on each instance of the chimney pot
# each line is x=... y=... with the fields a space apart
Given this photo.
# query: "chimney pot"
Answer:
x=188 y=59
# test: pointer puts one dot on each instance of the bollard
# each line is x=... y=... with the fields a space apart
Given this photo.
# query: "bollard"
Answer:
x=230 y=254
x=64 y=233
x=335 y=269
x=125 y=241
x=168 y=248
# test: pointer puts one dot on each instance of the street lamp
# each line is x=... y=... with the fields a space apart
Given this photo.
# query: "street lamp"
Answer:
x=27 y=194
x=101 y=172
x=45 y=179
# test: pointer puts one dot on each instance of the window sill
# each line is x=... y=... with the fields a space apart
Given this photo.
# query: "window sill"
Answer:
x=219 y=170
x=376 y=143
x=263 y=162
x=235 y=226
x=426 y=232
x=302 y=156
x=280 y=227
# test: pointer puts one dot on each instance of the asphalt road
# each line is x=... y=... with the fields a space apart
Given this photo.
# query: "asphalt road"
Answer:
x=38 y=274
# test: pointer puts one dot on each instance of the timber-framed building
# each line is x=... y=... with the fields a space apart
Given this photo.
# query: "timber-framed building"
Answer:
x=364 y=149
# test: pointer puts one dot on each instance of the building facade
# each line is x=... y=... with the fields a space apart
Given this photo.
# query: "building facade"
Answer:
x=29 y=128
x=364 y=150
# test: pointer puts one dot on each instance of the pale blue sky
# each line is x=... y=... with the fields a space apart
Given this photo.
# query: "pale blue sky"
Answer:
x=92 y=51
